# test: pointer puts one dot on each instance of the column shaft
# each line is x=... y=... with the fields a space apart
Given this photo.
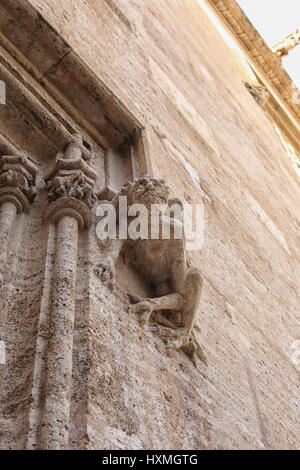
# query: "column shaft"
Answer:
x=8 y=212
x=70 y=185
x=55 y=419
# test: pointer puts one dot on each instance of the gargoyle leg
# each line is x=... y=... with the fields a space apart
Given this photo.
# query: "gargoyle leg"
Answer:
x=146 y=306
x=192 y=293
x=168 y=302
x=193 y=286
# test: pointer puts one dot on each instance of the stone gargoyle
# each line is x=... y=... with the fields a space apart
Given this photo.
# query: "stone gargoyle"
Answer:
x=163 y=263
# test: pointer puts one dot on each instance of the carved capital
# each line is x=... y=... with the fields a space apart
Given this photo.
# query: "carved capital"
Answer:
x=17 y=181
x=70 y=186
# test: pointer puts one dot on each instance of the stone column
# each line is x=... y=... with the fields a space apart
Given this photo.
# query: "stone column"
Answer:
x=71 y=192
x=17 y=191
x=8 y=211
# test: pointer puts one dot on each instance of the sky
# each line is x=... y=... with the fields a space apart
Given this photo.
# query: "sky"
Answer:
x=274 y=20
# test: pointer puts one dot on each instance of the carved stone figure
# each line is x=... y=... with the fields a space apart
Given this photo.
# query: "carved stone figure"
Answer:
x=259 y=93
x=72 y=177
x=284 y=47
x=162 y=262
x=71 y=184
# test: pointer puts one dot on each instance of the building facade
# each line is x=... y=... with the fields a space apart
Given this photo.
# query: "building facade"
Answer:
x=94 y=95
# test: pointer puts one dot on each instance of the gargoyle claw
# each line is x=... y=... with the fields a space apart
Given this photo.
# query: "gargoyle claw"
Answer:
x=106 y=274
x=143 y=308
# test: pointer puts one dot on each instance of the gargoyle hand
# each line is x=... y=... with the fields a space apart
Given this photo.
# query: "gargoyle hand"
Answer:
x=106 y=272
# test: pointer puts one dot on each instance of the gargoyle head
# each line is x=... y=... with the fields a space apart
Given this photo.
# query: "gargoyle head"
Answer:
x=146 y=190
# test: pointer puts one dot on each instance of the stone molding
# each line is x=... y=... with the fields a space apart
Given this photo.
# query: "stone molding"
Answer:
x=38 y=71
x=289 y=43
x=281 y=106
x=40 y=122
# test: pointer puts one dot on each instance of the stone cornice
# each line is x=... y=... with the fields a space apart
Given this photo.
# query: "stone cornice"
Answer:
x=52 y=93
x=268 y=67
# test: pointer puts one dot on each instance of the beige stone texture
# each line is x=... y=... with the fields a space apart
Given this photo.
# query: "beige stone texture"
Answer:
x=213 y=144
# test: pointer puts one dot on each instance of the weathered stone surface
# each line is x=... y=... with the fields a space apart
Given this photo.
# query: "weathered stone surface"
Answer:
x=204 y=128
x=70 y=186
x=211 y=142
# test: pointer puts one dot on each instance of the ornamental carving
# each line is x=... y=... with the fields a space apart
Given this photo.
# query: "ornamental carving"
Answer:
x=71 y=177
x=290 y=42
x=163 y=263
x=17 y=180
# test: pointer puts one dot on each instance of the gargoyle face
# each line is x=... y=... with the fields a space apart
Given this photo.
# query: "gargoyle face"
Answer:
x=148 y=191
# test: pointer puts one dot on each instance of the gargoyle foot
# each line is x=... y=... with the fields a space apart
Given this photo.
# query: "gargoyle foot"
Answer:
x=194 y=349
x=143 y=309
x=181 y=340
x=144 y=318
x=134 y=299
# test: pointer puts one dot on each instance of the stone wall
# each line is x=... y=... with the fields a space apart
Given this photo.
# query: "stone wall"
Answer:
x=212 y=142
